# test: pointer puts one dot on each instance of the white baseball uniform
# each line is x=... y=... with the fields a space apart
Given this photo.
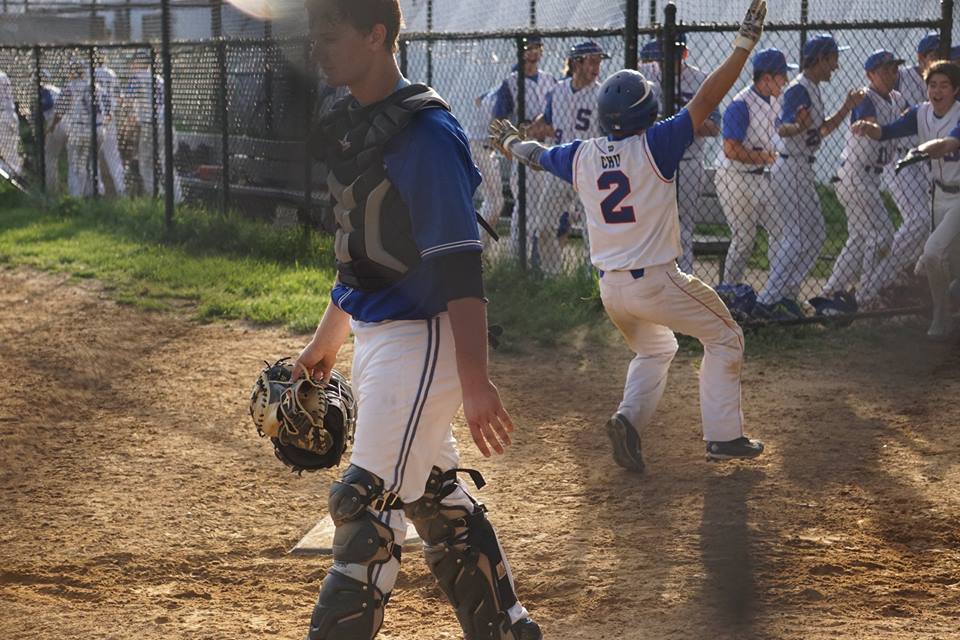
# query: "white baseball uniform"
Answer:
x=943 y=245
x=869 y=228
x=55 y=140
x=910 y=190
x=111 y=164
x=486 y=158
x=74 y=107
x=797 y=228
x=9 y=128
x=744 y=189
x=629 y=195
x=573 y=114
x=536 y=89
x=140 y=92
x=693 y=178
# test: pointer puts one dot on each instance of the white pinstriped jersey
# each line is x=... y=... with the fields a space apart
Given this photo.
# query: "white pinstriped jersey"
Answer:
x=761 y=128
x=690 y=80
x=109 y=90
x=644 y=228
x=864 y=151
x=74 y=103
x=930 y=127
x=808 y=142
x=911 y=86
x=573 y=113
x=535 y=93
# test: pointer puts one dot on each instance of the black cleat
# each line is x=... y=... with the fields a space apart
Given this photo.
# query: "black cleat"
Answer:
x=526 y=629
x=742 y=448
x=626 y=443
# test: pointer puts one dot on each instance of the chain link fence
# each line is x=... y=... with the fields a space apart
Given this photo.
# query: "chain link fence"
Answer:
x=771 y=222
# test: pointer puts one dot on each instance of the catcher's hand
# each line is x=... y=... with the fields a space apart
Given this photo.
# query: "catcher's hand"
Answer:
x=503 y=134
x=752 y=26
x=913 y=157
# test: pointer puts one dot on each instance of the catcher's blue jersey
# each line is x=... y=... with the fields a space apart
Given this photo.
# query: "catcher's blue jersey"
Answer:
x=430 y=165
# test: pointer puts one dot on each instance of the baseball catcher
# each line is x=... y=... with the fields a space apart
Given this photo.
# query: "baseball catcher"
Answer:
x=309 y=422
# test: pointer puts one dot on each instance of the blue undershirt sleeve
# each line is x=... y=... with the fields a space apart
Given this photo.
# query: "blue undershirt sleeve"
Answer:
x=736 y=119
x=558 y=160
x=955 y=133
x=866 y=109
x=794 y=98
x=548 y=110
x=668 y=140
x=905 y=125
x=503 y=107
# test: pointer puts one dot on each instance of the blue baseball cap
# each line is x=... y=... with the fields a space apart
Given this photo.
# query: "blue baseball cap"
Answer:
x=879 y=58
x=928 y=43
x=651 y=51
x=772 y=61
x=955 y=53
x=820 y=45
x=532 y=41
x=586 y=48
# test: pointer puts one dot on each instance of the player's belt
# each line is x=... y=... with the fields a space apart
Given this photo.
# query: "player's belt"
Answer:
x=869 y=168
x=810 y=159
x=636 y=273
x=754 y=172
x=947 y=188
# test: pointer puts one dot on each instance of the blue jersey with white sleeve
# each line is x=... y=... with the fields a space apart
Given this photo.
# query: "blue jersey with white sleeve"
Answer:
x=430 y=165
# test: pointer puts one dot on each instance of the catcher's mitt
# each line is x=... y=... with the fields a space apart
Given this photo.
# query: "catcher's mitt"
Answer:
x=308 y=422
x=913 y=157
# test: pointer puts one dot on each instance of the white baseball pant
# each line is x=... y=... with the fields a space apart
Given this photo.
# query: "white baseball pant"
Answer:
x=408 y=391
x=911 y=192
x=111 y=164
x=869 y=228
x=941 y=253
x=54 y=143
x=10 y=145
x=491 y=189
x=647 y=310
x=797 y=228
x=79 y=174
x=691 y=180
x=745 y=198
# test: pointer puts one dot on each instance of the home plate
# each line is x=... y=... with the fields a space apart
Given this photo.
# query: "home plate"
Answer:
x=319 y=540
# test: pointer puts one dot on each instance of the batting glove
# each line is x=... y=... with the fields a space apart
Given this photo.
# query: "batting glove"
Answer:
x=752 y=26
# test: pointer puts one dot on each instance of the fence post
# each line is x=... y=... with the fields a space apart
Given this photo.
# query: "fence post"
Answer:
x=268 y=50
x=308 y=108
x=94 y=112
x=520 y=206
x=533 y=13
x=653 y=12
x=946 y=28
x=403 y=58
x=630 y=34
x=154 y=124
x=429 y=43
x=670 y=60
x=39 y=125
x=167 y=116
x=222 y=109
x=804 y=18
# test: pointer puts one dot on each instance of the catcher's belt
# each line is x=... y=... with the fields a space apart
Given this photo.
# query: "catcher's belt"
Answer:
x=310 y=423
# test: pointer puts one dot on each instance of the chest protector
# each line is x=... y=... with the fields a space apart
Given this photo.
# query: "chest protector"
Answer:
x=374 y=242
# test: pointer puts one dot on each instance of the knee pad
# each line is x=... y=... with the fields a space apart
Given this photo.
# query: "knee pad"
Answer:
x=462 y=551
x=350 y=606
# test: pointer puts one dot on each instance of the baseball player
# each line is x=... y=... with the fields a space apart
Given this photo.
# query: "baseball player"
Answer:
x=111 y=164
x=140 y=93
x=626 y=183
x=869 y=228
x=537 y=84
x=797 y=228
x=749 y=148
x=9 y=128
x=692 y=179
x=73 y=112
x=487 y=160
x=410 y=288
x=55 y=138
x=570 y=112
x=908 y=187
x=937 y=123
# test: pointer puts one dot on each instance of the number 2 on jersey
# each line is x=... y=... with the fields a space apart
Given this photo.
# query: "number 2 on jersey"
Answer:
x=613 y=213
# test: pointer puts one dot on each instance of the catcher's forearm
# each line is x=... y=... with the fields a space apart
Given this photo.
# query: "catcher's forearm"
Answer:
x=334 y=327
x=527 y=151
x=468 y=320
x=937 y=149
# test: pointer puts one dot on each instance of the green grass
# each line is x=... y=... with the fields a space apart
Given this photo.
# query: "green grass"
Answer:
x=220 y=267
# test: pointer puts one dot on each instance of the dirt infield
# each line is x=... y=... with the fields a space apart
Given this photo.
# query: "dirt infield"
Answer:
x=137 y=501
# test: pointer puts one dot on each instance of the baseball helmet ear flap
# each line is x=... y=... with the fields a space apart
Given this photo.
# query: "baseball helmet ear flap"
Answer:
x=627 y=103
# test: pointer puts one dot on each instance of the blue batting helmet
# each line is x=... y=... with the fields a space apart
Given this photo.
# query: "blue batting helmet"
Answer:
x=626 y=103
